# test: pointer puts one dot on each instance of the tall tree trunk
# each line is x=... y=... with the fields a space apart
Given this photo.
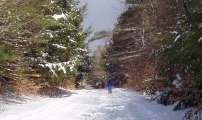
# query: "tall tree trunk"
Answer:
x=188 y=14
x=187 y=11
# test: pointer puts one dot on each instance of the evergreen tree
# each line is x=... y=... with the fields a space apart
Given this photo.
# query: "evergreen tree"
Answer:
x=46 y=35
x=186 y=43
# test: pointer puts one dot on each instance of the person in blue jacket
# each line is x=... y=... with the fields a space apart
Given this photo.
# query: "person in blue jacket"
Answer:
x=110 y=85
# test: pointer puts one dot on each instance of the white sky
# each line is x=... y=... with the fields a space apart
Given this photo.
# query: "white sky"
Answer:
x=102 y=14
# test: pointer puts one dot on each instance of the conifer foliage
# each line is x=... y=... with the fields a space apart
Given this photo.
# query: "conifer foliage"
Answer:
x=41 y=38
x=185 y=41
x=158 y=47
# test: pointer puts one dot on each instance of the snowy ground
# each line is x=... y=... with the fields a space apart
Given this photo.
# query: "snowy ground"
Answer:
x=91 y=105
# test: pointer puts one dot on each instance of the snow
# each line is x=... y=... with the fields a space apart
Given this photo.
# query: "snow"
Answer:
x=61 y=66
x=59 y=46
x=200 y=39
x=57 y=17
x=13 y=100
x=159 y=33
x=174 y=32
x=178 y=77
x=200 y=26
x=52 y=1
x=84 y=104
x=58 y=66
x=81 y=50
x=44 y=54
x=177 y=81
x=177 y=38
x=50 y=34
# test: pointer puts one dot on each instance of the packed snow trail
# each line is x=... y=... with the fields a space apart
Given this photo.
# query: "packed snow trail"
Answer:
x=92 y=105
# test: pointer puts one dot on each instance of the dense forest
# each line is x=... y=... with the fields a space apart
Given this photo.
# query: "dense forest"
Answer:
x=156 y=48
x=42 y=44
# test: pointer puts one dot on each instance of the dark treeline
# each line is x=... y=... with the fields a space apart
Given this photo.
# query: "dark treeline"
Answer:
x=158 y=47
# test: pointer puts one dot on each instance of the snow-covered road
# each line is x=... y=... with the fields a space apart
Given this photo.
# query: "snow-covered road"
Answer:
x=92 y=105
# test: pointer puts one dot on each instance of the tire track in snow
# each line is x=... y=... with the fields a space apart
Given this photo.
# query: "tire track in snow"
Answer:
x=93 y=105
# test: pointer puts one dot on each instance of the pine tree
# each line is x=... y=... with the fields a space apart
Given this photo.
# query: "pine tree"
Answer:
x=42 y=35
x=186 y=43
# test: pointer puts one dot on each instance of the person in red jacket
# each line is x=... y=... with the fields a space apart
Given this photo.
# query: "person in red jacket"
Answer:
x=102 y=84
